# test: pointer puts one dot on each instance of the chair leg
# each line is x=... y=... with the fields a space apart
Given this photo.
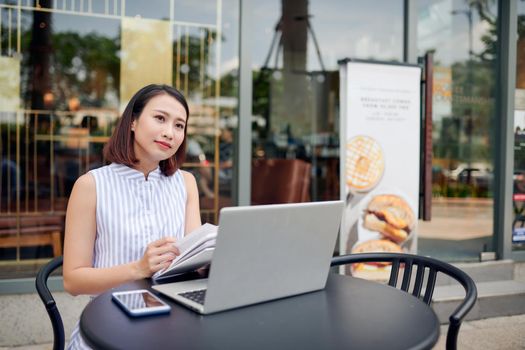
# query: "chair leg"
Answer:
x=57 y=243
x=58 y=328
x=452 y=336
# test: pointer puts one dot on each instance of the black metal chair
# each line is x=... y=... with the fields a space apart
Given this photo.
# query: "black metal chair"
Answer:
x=49 y=302
x=423 y=264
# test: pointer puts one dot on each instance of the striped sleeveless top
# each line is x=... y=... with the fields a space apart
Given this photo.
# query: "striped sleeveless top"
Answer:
x=132 y=212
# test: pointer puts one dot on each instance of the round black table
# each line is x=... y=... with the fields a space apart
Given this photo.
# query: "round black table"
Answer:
x=348 y=313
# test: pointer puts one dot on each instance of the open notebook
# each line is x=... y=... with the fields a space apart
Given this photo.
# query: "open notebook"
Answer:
x=196 y=250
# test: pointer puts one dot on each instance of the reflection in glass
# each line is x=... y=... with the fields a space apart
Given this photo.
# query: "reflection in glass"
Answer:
x=462 y=37
x=155 y=9
x=518 y=199
x=67 y=89
x=144 y=41
x=296 y=48
x=74 y=65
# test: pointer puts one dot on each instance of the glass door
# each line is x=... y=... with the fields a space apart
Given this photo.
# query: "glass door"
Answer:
x=462 y=37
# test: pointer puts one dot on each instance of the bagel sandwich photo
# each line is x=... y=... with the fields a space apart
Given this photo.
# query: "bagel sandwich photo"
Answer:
x=378 y=271
x=391 y=216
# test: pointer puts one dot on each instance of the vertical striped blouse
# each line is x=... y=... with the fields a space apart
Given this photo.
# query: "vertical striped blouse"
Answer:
x=132 y=212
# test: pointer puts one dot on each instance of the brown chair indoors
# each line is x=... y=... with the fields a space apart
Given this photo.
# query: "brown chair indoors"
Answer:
x=32 y=230
x=280 y=181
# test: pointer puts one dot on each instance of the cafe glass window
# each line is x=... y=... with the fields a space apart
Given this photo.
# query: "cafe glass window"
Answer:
x=518 y=199
x=462 y=37
x=67 y=69
x=295 y=51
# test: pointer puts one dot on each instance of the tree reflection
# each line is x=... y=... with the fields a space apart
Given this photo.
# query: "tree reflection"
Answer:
x=465 y=135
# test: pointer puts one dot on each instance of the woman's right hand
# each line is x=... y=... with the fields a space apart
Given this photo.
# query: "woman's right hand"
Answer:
x=157 y=256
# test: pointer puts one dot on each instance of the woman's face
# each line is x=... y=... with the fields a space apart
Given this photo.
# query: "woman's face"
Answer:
x=159 y=130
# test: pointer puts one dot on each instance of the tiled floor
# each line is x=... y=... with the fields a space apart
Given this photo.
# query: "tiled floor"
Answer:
x=32 y=347
x=460 y=229
x=499 y=333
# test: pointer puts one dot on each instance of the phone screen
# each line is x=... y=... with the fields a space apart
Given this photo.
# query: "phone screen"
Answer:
x=139 y=300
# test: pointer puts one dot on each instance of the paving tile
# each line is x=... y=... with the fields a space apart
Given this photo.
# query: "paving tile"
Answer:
x=498 y=333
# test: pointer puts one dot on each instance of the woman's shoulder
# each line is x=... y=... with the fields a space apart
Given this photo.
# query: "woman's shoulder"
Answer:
x=187 y=176
x=85 y=185
x=83 y=197
x=86 y=181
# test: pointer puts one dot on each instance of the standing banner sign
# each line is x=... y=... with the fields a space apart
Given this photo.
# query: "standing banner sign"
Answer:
x=380 y=159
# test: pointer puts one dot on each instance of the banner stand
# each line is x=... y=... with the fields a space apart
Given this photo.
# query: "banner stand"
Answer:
x=380 y=106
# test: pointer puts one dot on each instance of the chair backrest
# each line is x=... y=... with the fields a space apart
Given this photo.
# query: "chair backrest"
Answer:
x=423 y=264
x=276 y=181
x=49 y=302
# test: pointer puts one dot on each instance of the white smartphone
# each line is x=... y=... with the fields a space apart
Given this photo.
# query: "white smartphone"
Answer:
x=140 y=302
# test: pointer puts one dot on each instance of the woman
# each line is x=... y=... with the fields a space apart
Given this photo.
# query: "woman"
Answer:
x=122 y=219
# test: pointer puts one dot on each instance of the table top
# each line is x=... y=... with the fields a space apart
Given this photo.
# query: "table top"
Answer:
x=348 y=313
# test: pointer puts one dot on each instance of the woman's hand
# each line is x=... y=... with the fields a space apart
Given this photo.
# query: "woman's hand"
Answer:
x=158 y=255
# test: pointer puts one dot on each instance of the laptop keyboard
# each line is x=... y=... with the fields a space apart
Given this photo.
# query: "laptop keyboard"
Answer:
x=195 y=295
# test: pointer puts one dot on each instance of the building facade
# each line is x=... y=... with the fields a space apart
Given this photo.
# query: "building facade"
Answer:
x=262 y=80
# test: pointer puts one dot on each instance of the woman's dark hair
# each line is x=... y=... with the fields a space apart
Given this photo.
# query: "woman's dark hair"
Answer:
x=119 y=148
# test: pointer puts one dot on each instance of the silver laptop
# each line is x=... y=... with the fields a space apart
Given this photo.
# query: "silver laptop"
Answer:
x=263 y=253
